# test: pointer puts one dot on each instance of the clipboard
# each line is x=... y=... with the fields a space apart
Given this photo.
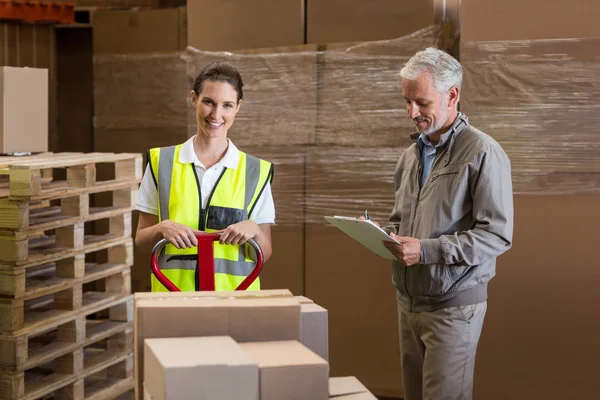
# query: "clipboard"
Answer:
x=366 y=233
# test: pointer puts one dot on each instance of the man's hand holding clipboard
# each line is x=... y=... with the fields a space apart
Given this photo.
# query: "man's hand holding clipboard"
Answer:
x=407 y=250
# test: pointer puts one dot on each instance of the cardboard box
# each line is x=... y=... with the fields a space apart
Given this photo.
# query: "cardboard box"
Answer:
x=136 y=31
x=199 y=368
x=315 y=330
x=288 y=370
x=487 y=20
x=241 y=294
x=33 y=45
x=348 y=388
x=331 y=21
x=250 y=24
x=245 y=320
x=23 y=116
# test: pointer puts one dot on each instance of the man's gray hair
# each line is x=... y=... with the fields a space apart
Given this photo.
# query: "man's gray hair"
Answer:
x=445 y=70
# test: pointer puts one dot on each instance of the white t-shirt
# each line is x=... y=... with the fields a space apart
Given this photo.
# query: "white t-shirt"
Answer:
x=264 y=210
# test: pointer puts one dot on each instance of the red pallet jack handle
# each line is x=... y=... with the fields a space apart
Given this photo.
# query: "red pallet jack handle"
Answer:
x=206 y=263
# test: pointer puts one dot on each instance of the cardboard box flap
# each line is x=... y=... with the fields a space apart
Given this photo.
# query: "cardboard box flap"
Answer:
x=282 y=353
x=196 y=351
x=343 y=386
x=274 y=293
x=304 y=300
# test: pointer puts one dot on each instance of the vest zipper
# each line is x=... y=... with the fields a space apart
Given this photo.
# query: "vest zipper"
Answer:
x=205 y=211
x=203 y=214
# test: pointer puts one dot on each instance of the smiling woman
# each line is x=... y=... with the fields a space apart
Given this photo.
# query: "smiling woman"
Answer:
x=207 y=184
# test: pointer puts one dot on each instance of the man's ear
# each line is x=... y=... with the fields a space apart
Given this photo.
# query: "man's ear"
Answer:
x=453 y=96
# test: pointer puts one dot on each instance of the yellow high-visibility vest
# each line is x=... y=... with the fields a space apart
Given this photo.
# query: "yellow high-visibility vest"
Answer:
x=232 y=200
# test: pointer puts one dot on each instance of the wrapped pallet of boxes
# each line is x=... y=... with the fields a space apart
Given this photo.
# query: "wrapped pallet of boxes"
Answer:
x=245 y=316
x=533 y=85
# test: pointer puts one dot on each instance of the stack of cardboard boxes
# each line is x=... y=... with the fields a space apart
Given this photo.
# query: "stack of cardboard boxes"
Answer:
x=243 y=345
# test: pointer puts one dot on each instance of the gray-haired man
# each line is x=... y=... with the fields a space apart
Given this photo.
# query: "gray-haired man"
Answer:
x=453 y=216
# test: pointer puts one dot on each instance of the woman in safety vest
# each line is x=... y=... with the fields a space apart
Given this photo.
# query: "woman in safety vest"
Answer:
x=207 y=184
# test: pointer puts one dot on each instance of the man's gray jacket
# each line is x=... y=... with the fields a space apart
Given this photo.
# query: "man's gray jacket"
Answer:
x=463 y=216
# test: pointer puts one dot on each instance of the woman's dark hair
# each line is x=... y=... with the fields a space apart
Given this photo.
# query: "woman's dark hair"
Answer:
x=220 y=71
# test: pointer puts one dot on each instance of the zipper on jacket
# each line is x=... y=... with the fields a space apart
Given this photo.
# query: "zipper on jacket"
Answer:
x=433 y=178
x=412 y=224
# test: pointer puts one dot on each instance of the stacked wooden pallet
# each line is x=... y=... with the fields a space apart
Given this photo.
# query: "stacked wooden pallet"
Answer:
x=66 y=309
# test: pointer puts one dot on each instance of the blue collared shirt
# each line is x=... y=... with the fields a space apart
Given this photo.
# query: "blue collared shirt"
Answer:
x=429 y=151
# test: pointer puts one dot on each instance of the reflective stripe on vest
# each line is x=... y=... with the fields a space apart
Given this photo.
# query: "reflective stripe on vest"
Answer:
x=232 y=200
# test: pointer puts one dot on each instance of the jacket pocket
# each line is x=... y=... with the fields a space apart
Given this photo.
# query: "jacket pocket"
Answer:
x=449 y=174
x=429 y=280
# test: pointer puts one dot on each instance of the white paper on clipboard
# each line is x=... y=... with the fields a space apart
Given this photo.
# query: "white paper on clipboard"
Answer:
x=366 y=233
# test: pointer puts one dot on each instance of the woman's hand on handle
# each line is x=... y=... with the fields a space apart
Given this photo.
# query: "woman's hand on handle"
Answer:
x=242 y=231
x=239 y=233
x=179 y=235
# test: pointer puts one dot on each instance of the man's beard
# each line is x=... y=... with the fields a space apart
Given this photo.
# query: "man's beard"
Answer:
x=439 y=124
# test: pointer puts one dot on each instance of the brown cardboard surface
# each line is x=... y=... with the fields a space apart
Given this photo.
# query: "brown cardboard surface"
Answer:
x=285 y=268
x=175 y=368
x=242 y=319
x=315 y=330
x=117 y=3
x=136 y=31
x=252 y=294
x=75 y=98
x=260 y=23
x=23 y=117
x=348 y=388
x=542 y=321
x=345 y=385
x=356 y=396
x=288 y=370
x=485 y=20
x=335 y=21
x=355 y=286
x=344 y=86
x=304 y=300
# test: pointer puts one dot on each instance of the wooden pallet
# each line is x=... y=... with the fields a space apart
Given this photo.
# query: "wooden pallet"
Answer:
x=44 y=251
x=27 y=284
x=33 y=247
x=66 y=207
x=25 y=174
x=39 y=307
x=69 y=362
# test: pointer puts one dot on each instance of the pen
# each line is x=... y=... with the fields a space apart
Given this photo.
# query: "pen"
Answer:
x=367 y=215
